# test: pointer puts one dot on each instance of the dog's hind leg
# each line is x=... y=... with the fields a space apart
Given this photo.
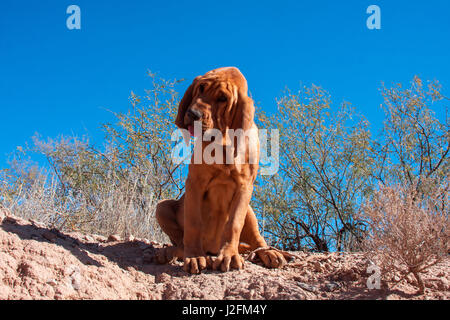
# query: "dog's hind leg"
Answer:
x=168 y=216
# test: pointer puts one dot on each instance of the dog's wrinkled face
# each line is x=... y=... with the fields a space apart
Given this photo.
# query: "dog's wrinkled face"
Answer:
x=218 y=100
x=212 y=100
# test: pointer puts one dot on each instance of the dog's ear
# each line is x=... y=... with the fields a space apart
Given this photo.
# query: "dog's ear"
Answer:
x=184 y=104
x=245 y=111
x=244 y=140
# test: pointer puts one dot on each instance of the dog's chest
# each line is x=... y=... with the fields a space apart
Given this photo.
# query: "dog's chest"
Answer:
x=215 y=213
x=219 y=193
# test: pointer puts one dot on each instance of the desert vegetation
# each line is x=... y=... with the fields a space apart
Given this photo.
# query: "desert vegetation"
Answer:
x=340 y=187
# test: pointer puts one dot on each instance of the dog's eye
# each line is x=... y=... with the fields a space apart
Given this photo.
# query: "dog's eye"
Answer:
x=201 y=88
x=222 y=98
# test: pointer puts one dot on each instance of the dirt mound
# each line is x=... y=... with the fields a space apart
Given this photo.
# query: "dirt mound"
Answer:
x=39 y=263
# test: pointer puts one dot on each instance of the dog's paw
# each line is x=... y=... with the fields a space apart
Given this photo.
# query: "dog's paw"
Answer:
x=273 y=258
x=196 y=263
x=168 y=254
x=228 y=259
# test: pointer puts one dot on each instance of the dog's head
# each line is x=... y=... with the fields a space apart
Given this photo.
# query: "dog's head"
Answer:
x=219 y=100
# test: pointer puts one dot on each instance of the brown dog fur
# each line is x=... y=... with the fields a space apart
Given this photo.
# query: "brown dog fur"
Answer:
x=213 y=217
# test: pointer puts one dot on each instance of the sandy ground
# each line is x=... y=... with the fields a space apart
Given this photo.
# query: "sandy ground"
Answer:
x=39 y=263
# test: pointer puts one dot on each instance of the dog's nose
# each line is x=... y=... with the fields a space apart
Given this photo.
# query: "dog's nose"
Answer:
x=194 y=114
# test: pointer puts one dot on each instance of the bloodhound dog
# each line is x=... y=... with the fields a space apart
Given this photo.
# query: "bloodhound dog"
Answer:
x=212 y=223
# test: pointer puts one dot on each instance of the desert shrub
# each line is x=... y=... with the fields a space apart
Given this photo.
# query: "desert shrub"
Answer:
x=408 y=230
x=108 y=189
x=114 y=209
x=415 y=141
x=330 y=164
x=30 y=193
x=408 y=216
x=325 y=172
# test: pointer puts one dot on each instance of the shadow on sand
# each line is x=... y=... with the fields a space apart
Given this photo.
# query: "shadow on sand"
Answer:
x=127 y=254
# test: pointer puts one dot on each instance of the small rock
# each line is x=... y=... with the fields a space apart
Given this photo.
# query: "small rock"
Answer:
x=113 y=238
x=52 y=282
x=100 y=238
x=3 y=214
x=332 y=286
x=11 y=219
x=71 y=270
x=75 y=243
x=37 y=223
x=50 y=236
x=410 y=279
x=88 y=238
x=318 y=266
x=440 y=296
x=308 y=287
x=130 y=238
x=436 y=283
x=163 y=277
x=305 y=273
x=76 y=283
x=74 y=274
x=58 y=296
x=328 y=267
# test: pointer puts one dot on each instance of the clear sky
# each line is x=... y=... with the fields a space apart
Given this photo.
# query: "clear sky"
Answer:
x=59 y=81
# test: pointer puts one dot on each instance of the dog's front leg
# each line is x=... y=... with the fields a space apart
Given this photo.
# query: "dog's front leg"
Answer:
x=228 y=256
x=195 y=259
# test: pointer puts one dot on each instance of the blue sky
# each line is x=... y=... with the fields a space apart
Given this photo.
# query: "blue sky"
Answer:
x=59 y=81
